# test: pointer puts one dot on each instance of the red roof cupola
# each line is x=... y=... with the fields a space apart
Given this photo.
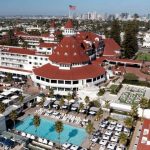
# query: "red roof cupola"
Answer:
x=69 y=51
x=52 y=24
x=68 y=29
x=69 y=24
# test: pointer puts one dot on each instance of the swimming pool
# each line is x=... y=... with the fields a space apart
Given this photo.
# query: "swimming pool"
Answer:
x=46 y=130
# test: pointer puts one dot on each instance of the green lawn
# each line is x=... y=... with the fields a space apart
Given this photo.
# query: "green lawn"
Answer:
x=143 y=56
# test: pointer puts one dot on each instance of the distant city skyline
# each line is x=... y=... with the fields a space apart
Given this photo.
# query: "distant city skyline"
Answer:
x=60 y=7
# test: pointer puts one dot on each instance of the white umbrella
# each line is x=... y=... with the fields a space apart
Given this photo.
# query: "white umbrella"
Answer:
x=66 y=145
x=74 y=147
x=28 y=135
x=50 y=143
x=32 y=137
x=45 y=141
x=40 y=140
x=23 y=134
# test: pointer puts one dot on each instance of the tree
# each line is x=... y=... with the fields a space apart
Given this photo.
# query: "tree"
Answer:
x=134 y=110
x=107 y=104
x=2 y=107
x=59 y=128
x=51 y=92
x=130 y=43
x=36 y=121
x=25 y=44
x=81 y=107
x=130 y=77
x=115 y=30
x=101 y=92
x=87 y=100
x=123 y=138
x=99 y=114
x=89 y=130
x=144 y=104
x=128 y=122
x=42 y=101
x=61 y=102
x=69 y=97
x=13 y=116
x=21 y=98
x=41 y=40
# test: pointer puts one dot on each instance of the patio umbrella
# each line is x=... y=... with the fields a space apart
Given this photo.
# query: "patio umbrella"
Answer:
x=32 y=137
x=45 y=141
x=50 y=143
x=40 y=140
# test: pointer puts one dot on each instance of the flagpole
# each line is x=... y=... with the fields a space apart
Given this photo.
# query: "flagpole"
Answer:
x=69 y=13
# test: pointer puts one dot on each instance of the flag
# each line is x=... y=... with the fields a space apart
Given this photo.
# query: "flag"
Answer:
x=71 y=7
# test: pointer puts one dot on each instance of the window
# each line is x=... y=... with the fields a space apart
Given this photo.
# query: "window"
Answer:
x=75 y=82
x=60 y=82
x=37 y=77
x=47 y=80
x=102 y=76
x=89 y=80
x=67 y=82
x=46 y=59
x=94 y=79
x=53 y=81
x=98 y=77
x=30 y=62
x=35 y=57
x=41 y=58
x=42 y=79
x=48 y=48
x=30 y=57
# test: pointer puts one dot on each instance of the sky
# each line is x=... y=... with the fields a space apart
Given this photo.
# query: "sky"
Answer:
x=60 y=7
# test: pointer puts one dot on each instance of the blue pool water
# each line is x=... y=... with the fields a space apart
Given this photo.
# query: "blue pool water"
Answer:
x=46 y=130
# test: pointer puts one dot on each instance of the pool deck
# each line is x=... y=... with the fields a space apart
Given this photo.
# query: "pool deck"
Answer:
x=86 y=142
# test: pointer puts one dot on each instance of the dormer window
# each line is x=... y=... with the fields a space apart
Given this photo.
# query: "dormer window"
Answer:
x=75 y=54
x=66 y=54
x=73 y=46
x=57 y=53
x=67 y=46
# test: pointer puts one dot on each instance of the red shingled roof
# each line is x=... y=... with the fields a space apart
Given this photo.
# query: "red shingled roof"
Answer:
x=85 y=72
x=52 y=24
x=47 y=45
x=69 y=51
x=124 y=60
x=110 y=47
x=143 y=146
x=21 y=51
x=16 y=69
x=69 y=24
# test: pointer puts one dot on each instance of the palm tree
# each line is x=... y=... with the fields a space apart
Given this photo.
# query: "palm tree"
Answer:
x=59 y=128
x=51 y=92
x=123 y=138
x=128 y=122
x=107 y=104
x=134 y=110
x=21 y=98
x=42 y=101
x=36 y=121
x=87 y=100
x=99 y=114
x=25 y=44
x=2 y=107
x=13 y=117
x=144 y=104
x=69 y=97
x=61 y=102
x=81 y=107
x=89 y=130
